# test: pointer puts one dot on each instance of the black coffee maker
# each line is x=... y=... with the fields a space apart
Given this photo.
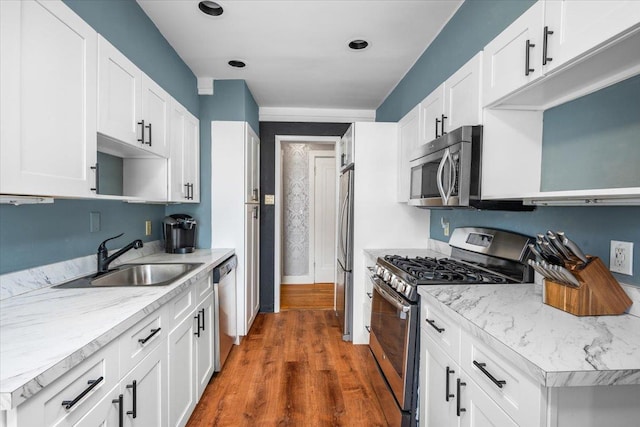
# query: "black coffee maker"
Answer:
x=179 y=232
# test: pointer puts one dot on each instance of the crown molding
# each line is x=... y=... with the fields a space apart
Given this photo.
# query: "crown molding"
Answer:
x=324 y=115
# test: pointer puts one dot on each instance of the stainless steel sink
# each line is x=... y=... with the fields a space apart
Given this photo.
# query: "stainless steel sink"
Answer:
x=135 y=275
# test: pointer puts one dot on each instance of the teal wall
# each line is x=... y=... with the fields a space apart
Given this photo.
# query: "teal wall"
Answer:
x=231 y=100
x=110 y=174
x=602 y=127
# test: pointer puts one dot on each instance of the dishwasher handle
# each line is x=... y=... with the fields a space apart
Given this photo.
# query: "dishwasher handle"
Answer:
x=225 y=268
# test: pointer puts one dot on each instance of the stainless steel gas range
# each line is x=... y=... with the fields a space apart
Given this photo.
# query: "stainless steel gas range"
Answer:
x=478 y=256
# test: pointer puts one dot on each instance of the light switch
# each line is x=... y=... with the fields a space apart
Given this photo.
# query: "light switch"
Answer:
x=269 y=199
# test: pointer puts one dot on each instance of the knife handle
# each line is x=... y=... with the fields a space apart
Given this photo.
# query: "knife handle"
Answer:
x=576 y=250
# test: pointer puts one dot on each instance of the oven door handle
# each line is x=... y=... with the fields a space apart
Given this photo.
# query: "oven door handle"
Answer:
x=443 y=195
x=397 y=304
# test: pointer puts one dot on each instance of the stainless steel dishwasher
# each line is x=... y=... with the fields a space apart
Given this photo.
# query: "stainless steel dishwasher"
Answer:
x=224 y=291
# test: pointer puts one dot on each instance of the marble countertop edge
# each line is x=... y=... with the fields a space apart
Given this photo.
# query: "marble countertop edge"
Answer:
x=15 y=389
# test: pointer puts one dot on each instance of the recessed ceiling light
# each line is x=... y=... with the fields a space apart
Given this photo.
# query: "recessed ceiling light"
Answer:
x=358 y=44
x=210 y=8
x=237 y=64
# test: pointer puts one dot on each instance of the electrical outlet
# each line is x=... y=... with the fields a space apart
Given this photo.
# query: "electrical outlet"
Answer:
x=621 y=257
x=147 y=227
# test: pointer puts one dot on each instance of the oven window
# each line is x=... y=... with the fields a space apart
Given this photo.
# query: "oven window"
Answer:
x=424 y=180
x=390 y=327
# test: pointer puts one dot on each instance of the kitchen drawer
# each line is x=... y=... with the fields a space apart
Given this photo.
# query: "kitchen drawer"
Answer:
x=441 y=328
x=182 y=306
x=142 y=338
x=46 y=408
x=518 y=395
x=203 y=288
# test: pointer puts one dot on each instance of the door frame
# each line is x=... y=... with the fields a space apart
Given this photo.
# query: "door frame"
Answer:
x=277 y=255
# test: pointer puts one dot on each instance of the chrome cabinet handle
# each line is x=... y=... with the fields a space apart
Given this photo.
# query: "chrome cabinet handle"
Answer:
x=255 y=212
x=197 y=332
x=142 y=126
x=120 y=402
x=153 y=332
x=437 y=121
x=447 y=394
x=68 y=404
x=497 y=382
x=443 y=119
x=545 y=46
x=527 y=67
x=134 y=390
x=255 y=194
x=459 y=410
x=434 y=326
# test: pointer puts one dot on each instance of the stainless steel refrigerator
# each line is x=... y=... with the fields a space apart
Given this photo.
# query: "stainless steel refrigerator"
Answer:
x=344 y=276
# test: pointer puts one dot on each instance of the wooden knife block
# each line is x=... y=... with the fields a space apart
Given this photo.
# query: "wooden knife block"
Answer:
x=599 y=292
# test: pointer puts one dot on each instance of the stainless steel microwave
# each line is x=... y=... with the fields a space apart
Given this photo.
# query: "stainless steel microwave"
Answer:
x=447 y=173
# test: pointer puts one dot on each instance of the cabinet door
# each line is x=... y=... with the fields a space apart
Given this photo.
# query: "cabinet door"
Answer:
x=48 y=63
x=155 y=113
x=182 y=373
x=579 y=26
x=204 y=345
x=252 y=257
x=178 y=190
x=480 y=410
x=408 y=134
x=105 y=413
x=506 y=57
x=191 y=159
x=119 y=95
x=145 y=390
x=462 y=96
x=431 y=111
x=252 y=166
x=438 y=374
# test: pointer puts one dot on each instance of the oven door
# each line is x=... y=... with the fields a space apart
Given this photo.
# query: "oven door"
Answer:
x=393 y=340
x=435 y=178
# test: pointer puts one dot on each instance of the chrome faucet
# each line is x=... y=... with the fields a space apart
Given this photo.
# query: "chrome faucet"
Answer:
x=104 y=260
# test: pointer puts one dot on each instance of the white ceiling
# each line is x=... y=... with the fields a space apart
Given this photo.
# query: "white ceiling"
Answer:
x=296 y=50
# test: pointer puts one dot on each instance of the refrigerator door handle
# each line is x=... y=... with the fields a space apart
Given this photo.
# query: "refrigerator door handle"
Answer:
x=343 y=231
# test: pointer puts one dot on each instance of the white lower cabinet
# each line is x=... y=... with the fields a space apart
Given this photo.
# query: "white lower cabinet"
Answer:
x=191 y=352
x=150 y=376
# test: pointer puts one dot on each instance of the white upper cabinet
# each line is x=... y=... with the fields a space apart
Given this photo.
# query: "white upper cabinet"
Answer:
x=462 y=96
x=455 y=103
x=48 y=68
x=408 y=134
x=514 y=58
x=252 y=166
x=578 y=26
x=560 y=50
x=119 y=94
x=345 y=148
x=155 y=117
x=184 y=159
x=431 y=114
x=132 y=108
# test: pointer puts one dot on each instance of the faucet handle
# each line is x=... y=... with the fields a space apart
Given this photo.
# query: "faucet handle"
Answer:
x=103 y=246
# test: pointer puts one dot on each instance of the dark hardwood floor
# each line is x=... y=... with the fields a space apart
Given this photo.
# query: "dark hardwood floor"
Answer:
x=293 y=369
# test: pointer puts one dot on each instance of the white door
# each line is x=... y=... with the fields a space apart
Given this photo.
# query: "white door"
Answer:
x=252 y=166
x=107 y=412
x=155 y=112
x=324 y=221
x=408 y=135
x=462 y=96
x=438 y=376
x=147 y=383
x=431 y=112
x=119 y=94
x=177 y=182
x=181 y=372
x=48 y=108
x=205 y=355
x=479 y=409
x=252 y=272
x=191 y=161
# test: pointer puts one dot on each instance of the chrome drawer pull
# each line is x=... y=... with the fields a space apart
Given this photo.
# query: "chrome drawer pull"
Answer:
x=481 y=366
x=68 y=404
x=153 y=332
x=434 y=326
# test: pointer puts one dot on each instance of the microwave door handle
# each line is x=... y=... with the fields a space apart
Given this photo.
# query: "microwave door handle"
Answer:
x=439 y=174
x=453 y=175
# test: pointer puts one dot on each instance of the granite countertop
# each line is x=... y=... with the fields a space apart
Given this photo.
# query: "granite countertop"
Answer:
x=46 y=332
x=556 y=348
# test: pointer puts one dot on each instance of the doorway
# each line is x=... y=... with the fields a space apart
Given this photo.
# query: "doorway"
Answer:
x=305 y=197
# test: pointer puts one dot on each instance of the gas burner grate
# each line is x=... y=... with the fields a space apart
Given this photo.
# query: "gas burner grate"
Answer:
x=427 y=269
